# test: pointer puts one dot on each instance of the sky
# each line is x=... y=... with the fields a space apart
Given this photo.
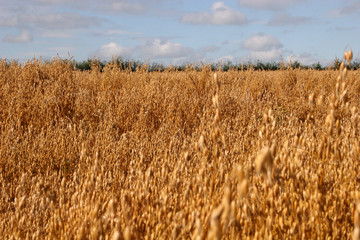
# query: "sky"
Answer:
x=180 y=31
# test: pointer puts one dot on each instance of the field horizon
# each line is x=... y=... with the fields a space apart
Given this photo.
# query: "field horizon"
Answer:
x=151 y=65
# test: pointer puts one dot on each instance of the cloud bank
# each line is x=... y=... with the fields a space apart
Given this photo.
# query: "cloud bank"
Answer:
x=157 y=48
x=271 y=5
x=285 y=19
x=220 y=14
x=24 y=37
x=263 y=47
x=112 y=49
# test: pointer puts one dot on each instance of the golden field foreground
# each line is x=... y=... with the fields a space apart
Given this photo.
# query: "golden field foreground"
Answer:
x=178 y=155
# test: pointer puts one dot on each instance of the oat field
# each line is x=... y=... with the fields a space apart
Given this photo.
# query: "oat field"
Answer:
x=187 y=154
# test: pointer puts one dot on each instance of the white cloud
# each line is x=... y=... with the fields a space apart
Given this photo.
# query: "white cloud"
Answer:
x=50 y=1
x=263 y=47
x=262 y=42
x=57 y=33
x=112 y=49
x=287 y=19
x=304 y=58
x=225 y=59
x=268 y=55
x=114 y=32
x=121 y=6
x=272 y=5
x=107 y=6
x=50 y=21
x=158 y=48
x=220 y=15
x=208 y=49
x=8 y=22
x=341 y=29
x=110 y=32
x=59 y=20
x=24 y=37
x=344 y=11
x=127 y=7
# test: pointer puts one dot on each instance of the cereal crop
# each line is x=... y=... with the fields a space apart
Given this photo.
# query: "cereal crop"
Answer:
x=118 y=154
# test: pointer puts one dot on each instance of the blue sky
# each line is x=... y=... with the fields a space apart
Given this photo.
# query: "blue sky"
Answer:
x=180 y=31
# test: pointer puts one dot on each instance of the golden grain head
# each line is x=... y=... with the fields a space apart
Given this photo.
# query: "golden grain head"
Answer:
x=350 y=55
x=116 y=236
x=264 y=161
x=342 y=66
x=243 y=188
x=311 y=99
